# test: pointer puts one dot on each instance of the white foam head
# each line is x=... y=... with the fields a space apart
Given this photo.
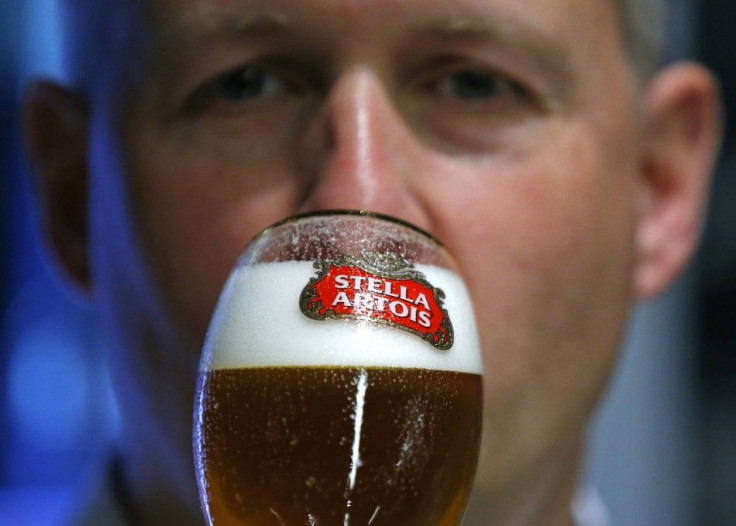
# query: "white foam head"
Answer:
x=258 y=323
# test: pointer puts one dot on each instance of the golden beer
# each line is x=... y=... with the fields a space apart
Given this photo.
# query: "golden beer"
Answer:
x=279 y=445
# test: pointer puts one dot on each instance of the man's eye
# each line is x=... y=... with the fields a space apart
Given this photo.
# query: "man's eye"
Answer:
x=246 y=83
x=474 y=86
x=250 y=87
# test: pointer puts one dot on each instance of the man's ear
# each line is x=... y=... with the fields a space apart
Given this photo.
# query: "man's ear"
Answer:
x=682 y=138
x=55 y=129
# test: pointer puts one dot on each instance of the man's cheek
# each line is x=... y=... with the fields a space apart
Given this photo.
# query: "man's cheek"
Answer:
x=208 y=244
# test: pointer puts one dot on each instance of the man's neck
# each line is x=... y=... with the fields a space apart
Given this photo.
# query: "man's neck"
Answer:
x=541 y=496
x=161 y=487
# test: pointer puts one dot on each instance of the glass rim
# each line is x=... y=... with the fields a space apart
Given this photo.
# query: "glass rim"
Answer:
x=349 y=212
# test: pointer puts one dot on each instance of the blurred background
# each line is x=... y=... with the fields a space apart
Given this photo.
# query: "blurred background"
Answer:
x=664 y=444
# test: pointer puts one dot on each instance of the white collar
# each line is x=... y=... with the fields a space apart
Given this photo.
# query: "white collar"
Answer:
x=588 y=509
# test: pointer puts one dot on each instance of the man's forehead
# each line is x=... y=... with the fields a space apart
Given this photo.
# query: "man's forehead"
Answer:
x=203 y=11
x=552 y=19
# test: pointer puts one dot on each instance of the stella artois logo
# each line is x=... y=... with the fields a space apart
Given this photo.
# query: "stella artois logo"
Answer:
x=380 y=288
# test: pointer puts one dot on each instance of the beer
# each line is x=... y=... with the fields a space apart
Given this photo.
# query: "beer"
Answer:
x=340 y=422
x=282 y=444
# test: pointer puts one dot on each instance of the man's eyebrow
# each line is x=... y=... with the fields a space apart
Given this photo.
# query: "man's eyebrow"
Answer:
x=504 y=29
x=542 y=46
x=207 y=21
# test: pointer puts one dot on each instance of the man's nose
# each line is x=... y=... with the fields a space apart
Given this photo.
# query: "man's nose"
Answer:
x=359 y=153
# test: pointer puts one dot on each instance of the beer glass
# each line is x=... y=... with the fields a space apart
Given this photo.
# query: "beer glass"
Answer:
x=340 y=382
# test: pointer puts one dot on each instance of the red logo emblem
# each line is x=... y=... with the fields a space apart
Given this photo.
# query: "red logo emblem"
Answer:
x=380 y=288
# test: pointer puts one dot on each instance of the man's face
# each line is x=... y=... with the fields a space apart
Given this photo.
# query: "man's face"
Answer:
x=506 y=129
